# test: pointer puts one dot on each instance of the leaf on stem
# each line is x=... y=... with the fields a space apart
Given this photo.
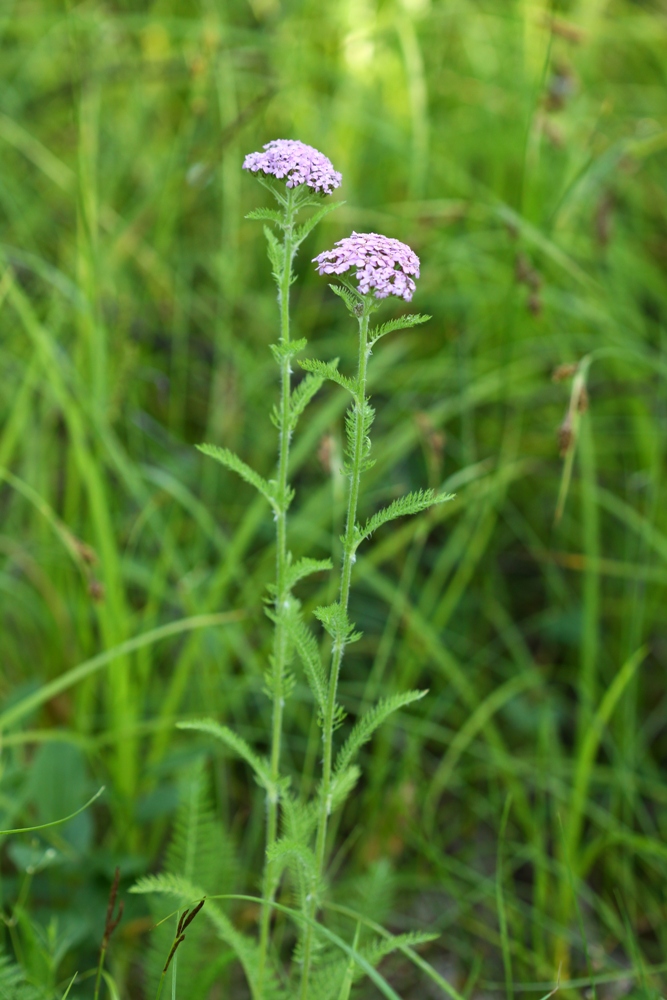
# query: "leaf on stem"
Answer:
x=302 y=395
x=276 y=253
x=307 y=227
x=336 y=622
x=342 y=783
x=268 y=215
x=378 y=949
x=237 y=465
x=244 y=947
x=328 y=370
x=351 y=422
x=411 y=503
x=290 y=350
x=366 y=726
x=237 y=745
x=306 y=567
x=350 y=298
x=402 y=323
x=308 y=652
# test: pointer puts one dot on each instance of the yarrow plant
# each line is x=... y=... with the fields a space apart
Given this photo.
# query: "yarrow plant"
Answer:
x=383 y=266
x=369 y=267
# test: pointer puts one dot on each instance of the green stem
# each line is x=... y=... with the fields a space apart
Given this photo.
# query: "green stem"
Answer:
x=282 y=590
x=98 y=977
x=338 y=648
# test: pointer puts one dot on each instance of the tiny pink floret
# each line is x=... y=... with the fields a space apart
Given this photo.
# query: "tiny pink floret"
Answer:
x=296 y=163
x=383 y=265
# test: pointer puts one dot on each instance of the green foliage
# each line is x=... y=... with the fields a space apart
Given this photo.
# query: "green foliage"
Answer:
x=237 y=465
x=350 y=297
x=366 y=414
x=411 y=503
x=308 y=652
x=237 y=745
x=523 y=157
x=369 y=722
x=276 y=254
x=13 y=982
x=328 y=370
x=302 y=395
x=306 y=567
x=306 y=228
x=402 y=323
x=268 y=214
x=200 y=854
x=337 y=623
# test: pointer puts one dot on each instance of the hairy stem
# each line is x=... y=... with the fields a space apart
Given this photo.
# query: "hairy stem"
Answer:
x=338 y=646
x=282 y=590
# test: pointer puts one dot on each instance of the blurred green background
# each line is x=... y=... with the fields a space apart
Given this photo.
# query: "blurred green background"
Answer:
x=521 y=149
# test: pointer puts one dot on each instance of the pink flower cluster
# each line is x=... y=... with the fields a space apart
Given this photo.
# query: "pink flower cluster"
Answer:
x=382 y=264
x=298 y=163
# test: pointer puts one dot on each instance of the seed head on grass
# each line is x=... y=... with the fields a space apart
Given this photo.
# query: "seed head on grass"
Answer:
x=383 y=265
x=297 y=162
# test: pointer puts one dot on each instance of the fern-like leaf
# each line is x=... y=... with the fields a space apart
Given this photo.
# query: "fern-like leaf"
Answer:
x=187 y=893
x=302 y=395
x=14 y=984
x=306 y=567
x=336 y=622
x=342 y=783
x=290 y=350
x=350 y=298
x=308 y=652
x=402 y=323
x=233 y=462
x=266 y=215
x=237 y=745
x=328 y=370
x=307 y=227
x=411 y=503
x=276 y=254
x=368 y=723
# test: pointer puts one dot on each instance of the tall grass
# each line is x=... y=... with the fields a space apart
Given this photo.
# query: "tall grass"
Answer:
x=521 y=149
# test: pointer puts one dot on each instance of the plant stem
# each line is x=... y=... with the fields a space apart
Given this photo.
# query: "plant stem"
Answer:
x=338 y=647
x=98 y=976
x=282 y=590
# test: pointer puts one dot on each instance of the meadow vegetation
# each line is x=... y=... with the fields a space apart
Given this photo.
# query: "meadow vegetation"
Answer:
x=518 y=812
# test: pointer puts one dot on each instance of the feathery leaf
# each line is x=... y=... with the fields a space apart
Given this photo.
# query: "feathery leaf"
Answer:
x=401 y=323
x=328 y=370
x=411 y=503
x=233 y=462
x=307 y=227
x=368 y=723
x=266 y=214
x=302 y=395
x=237 y=745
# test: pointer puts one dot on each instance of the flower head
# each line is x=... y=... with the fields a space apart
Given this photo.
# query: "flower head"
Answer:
x=382 y=264
x=299 y=163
